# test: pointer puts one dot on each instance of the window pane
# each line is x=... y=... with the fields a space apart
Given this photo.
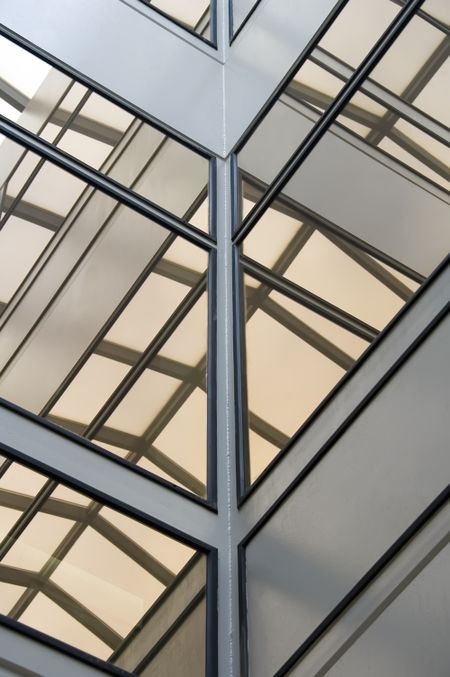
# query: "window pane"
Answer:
x=89 y=127
x=294 y=358
x=348 y=241
x=104 y=321
x=97 y=579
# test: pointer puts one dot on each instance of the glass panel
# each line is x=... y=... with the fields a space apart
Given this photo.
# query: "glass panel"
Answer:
x=351 y=237
x=110 y=319
x=414 y=69
x=97 y=579
x=303 y=248
x=195 y=14
x=102 y=135
x=313 y=88
x=294 y=358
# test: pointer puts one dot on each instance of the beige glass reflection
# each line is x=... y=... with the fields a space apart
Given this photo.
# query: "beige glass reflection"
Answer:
x=294 y=358
x=162 y=420
x=103 y=135
x=326 y=265
x=90 y=576
x=118 y=286
x=159 y=421
x=35 y=199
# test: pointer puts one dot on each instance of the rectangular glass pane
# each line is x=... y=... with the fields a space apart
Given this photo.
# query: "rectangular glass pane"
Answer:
x=353 y=234
x=101 y=134
x=97 y=579
x=294 y=358
x=104 y=325
x=313 y=87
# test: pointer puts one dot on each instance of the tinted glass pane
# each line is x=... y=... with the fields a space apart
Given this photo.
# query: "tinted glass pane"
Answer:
x=97 y=579
x=360 y=225
x=294 y=358
x=89 y=127
x=241 y=10
x=104 y=324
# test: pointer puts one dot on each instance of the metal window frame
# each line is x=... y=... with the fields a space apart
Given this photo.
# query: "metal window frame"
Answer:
x=129 y=511
x=232 y=32
x=274 y=192
x=124 y=196
x=317 y=132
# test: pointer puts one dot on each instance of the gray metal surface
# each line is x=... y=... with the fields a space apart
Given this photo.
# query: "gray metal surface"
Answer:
x=372 y=484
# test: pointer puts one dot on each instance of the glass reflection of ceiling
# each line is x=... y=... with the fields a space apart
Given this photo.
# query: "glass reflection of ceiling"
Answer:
x=415 y=71
x=89 y=575
x=124 y=346
x=92 y=129
x=342 y=297
x=126 y=365
x=316 y=295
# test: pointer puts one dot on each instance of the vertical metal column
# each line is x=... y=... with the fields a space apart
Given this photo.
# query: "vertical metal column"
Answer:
x=228 y=617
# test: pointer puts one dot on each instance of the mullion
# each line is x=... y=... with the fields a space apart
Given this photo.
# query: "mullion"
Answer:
x=429 y=18
x=419 y=153
x=108 y=324
x=373 y=267
x=321 y=127
x=5 y=465
x=12 y=96
x=305 y=95
x=304 y=332
x=34 y=214
x=71 y=218
x=267 y=431
x=152 y=349
x=172 y=406
x=40 y=129
x=58 y=507
x=160 y=364
x=379 y=127
x=56 y=558
x=78 y=611
x=155 y=261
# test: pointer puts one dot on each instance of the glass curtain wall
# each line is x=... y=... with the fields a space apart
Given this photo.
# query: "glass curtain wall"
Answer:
x=98 y=580
x=103 y=309
x=336 y=235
